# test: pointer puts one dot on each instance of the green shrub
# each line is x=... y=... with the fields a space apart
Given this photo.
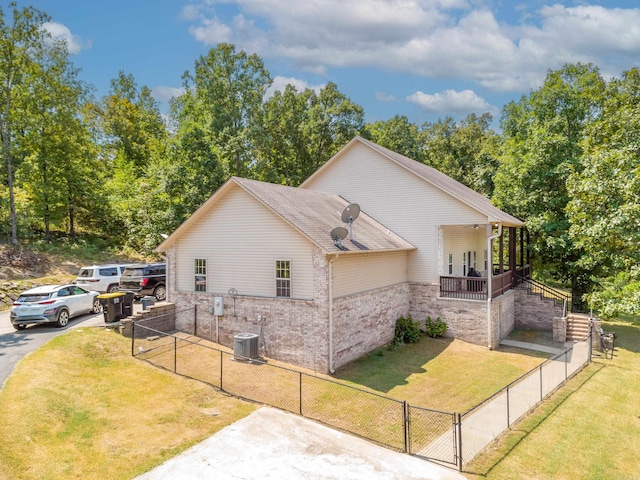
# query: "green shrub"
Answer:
x=435 y=328
x=407 y=331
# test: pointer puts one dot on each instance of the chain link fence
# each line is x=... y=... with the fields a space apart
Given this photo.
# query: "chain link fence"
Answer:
x=445 y=437
x=484 y=422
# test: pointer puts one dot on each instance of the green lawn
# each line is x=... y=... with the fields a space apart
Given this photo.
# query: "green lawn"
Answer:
x=588 y=430
x=441 y=373
x=82 y=407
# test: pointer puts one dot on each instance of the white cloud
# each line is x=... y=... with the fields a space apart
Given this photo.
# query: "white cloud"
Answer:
x=451 y=102
x=75 y=44
x=211 y=32
x=164 y=94
x=384 y=97
x=448 y=39
x=280 y=83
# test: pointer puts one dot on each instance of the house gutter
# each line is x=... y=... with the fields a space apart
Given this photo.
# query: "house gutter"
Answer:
x=490 y=239
x=331 y=260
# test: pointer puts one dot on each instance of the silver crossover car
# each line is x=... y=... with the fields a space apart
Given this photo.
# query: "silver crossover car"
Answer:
x=53 y=304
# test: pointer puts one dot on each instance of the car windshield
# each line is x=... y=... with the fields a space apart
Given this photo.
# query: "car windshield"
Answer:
x=132 y=272
x=33 y=297
x=86 y=272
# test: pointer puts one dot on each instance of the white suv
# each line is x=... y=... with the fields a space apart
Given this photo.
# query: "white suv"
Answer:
x=101 y=278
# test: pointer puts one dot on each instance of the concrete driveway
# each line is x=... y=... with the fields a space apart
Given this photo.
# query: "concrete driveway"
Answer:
x=272 y=444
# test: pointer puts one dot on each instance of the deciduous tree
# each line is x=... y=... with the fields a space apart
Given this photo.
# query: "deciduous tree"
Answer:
x=542 y=147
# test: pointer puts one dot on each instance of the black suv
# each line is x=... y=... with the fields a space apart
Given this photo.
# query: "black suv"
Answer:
x=145 y=279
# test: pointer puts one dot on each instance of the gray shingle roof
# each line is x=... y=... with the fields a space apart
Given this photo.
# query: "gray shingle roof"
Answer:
x=315 y=214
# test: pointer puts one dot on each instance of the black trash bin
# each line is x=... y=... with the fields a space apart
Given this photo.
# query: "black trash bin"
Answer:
x=127 y=304
x=111 y=306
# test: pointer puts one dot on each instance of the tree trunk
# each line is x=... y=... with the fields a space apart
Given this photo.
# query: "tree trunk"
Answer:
x=4 y=130
x=72 y=225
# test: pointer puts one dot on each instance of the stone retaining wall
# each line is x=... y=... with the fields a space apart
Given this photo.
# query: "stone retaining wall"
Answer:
x=533 y=312
x=158 y=317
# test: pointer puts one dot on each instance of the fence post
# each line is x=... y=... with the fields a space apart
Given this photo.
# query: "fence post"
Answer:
x=405 y=428
x=590 y=345
x=133 y=338
x=195 y=320
x=458 y=428
x=221 y=359
x=540 y=382
x=508 y=419
x=175 y=354
x=300 y=380
x=566 y=356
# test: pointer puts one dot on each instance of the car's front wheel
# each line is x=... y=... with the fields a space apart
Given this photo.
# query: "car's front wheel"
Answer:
x=63 y=318
x=160 y=293
x=20 y=326
x=97 y=305
x=113 y=288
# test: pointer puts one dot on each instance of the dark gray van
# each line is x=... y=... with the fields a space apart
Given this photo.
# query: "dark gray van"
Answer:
x=145 y=279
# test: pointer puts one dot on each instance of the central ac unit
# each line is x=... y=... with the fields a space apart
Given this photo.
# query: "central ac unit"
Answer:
x=245 y=346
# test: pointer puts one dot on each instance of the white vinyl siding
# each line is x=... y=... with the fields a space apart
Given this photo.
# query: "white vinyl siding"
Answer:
x=400 y=200
x=461 y=241
x=364 y=272
x=242 y=239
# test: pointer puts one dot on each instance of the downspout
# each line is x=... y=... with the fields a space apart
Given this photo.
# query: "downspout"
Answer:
x=490 y=238
x=331 y=260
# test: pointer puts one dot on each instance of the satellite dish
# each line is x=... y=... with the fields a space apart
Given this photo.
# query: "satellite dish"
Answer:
x=350 y=213
x=337 y=234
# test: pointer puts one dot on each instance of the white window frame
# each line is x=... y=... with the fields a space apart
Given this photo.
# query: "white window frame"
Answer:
x=451 y=264
x=283 y=283
x=200 y=274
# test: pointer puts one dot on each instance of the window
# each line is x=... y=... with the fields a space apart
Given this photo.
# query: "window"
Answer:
x=283 y=278
x=474 y=259
x=451 y=264
x=200 y=274
x=485 y=260
x=464 y=264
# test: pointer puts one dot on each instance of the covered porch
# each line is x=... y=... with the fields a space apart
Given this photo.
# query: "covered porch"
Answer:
x=511 y=261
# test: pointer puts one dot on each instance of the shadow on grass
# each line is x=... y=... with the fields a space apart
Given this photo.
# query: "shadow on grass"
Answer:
x=384 y=369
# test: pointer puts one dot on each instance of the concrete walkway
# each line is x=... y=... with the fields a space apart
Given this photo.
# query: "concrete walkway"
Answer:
x=482 y=425
x=272 y=444
x=530 y=346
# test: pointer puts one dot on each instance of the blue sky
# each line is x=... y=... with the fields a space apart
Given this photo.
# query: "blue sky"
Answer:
x=425 y=59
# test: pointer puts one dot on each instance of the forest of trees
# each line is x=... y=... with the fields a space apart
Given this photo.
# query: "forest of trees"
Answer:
x=566 y=159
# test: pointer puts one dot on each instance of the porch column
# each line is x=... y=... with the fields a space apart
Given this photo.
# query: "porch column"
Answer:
x=501 y=254
x=512 y=249
x=522 y=262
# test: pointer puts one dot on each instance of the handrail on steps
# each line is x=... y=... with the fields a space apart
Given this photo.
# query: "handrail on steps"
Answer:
x=533 y=286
